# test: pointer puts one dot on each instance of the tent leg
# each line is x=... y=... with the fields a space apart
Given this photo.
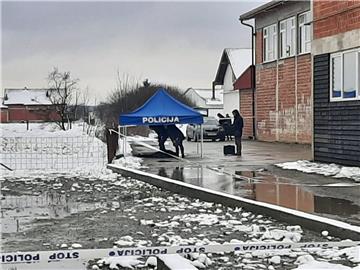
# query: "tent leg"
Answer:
x=123 y=141
x=197 y=146
x=202 y=140
x=125 y=132
x=119 y=136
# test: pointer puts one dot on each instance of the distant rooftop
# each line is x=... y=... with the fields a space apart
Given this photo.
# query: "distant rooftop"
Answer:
x=239 y=60
x=26 y=96
x=206 y=95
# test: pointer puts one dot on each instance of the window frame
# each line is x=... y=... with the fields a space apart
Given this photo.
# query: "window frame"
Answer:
x=304 y=26
x=293 y=42
x=269 y=37
x=357 y=78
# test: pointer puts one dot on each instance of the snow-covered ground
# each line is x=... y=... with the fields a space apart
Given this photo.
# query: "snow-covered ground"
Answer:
x=332 y=170
x=88 y=206
x=66 y=211
x=45 y=146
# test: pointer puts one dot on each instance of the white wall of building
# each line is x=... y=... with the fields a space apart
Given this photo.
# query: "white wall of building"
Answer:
x=231 y=101
x=231 y=96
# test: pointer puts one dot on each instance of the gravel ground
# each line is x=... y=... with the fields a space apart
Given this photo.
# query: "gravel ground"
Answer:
x=58 y=211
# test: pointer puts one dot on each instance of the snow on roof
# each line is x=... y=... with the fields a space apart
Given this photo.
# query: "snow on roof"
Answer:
x=240 y=59
x=206 y=95
x=26 y=96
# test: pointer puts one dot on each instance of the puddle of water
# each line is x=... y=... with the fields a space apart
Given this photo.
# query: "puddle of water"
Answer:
x=266 y=188
x=17 y=212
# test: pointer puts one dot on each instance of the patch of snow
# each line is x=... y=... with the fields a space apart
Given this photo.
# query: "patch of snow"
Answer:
x=129 y=162
x=334 y=170
x=151 y=261
x=76 y=245
x=325 y=233
x=126 y=262
x=275 y=260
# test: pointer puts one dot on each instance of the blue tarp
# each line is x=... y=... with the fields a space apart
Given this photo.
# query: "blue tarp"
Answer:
x=161 y=109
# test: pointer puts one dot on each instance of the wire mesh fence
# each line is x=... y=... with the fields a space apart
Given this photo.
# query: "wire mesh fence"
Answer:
x=60 y=153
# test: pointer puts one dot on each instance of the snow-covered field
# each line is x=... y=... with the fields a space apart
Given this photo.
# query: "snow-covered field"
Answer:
x=333 y=170
x=44 y=146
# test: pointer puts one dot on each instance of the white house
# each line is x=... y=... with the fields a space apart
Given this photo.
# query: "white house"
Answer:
x=233 y=63
x=203 y=98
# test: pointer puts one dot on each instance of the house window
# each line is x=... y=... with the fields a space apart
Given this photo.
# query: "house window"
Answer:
x=270 y=43
x=287 y=40
x=344 y=74
x=304 y=33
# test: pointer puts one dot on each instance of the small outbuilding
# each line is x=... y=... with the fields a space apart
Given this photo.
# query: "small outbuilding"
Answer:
x=29 y=105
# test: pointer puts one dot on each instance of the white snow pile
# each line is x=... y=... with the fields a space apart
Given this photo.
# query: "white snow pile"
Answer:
x=45 y=147
x=307 y=262
x=332 y=169
x=129 y=162
x=128 y=241
x=116 y=262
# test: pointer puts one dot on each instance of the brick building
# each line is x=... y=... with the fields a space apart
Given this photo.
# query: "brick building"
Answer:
x=29 y=105
x=336 y=75
x=4 y=113
x=244 y=84
x=283 y=110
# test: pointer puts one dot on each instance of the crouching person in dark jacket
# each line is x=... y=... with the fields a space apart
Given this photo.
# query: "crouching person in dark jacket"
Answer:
x=237 y=126
x=177 y=138
x=162 y=136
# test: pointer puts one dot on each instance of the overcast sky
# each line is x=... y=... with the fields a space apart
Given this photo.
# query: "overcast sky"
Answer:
x=177 y=43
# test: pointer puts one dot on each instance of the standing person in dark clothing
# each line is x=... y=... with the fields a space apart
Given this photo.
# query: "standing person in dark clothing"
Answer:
x=225 y=125
x=162 y=136
x=238 y=129
x=177 y=138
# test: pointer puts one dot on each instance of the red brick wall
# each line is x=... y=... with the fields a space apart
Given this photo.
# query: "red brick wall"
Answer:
x=246 y=111
x=265 y=102
x=304 y=107
x=258 y=47
x=334 y=17
x=31 y=113
x=292 y=121
x=3 y=115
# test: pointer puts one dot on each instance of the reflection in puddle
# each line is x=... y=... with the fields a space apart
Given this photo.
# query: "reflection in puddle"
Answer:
x=18 y=211
x=265 y=188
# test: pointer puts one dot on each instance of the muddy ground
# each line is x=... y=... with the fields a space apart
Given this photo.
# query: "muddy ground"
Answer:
x=50 y=213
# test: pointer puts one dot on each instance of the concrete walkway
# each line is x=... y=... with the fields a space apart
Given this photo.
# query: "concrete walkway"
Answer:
x=269 y=184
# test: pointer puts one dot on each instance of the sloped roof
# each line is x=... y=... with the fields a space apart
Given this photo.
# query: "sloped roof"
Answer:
x=245 y=80
x=261 y=9
x=26 y=96
x=239 y=60
x=161 y=109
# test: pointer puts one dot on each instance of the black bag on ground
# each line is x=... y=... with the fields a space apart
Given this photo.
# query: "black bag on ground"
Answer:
x=229 y=149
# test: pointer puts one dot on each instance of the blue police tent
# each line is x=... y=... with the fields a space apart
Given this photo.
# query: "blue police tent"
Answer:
x=161 y=109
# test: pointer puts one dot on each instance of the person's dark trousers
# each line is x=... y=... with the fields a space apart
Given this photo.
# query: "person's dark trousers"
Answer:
x=238 y=145
x=182 y=150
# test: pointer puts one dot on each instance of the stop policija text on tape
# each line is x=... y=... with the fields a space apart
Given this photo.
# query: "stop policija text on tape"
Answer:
x=87 y=254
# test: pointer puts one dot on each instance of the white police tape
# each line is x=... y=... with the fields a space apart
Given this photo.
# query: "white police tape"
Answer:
x=89 y=254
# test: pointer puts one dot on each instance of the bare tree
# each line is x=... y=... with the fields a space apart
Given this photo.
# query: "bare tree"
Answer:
x=63 y=94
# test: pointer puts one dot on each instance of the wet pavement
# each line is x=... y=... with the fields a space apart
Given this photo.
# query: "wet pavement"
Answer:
x=261 y=181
